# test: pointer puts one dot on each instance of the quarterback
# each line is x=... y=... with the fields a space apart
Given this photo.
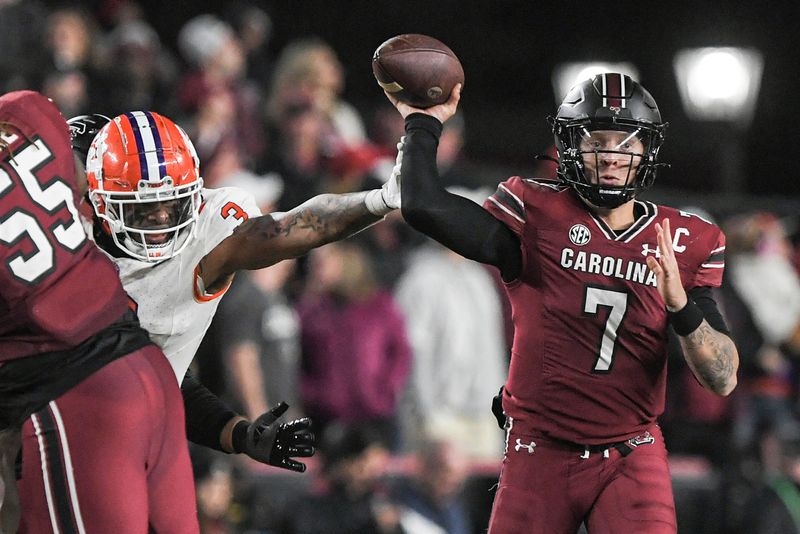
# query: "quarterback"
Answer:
x=595 y=277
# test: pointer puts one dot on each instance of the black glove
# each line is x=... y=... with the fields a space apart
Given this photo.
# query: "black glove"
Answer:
x=267 y=441
x=497 y=409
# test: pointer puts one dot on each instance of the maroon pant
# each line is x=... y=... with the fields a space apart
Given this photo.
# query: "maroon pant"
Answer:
x=110 y=455
x=550 y=487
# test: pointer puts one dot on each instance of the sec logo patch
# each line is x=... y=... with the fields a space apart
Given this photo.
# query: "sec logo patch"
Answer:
x=579 y=235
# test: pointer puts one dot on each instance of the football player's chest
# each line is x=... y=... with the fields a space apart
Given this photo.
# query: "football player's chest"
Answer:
x=582 y=269
x=164 y=295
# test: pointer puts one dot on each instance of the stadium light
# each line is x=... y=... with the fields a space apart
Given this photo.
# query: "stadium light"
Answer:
x=566 y=75
x=719 y=83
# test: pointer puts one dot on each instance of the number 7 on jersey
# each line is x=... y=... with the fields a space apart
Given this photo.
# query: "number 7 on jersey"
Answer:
x=617 y=301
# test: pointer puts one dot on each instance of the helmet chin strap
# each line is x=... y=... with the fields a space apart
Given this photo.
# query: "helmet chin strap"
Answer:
x=599 y=200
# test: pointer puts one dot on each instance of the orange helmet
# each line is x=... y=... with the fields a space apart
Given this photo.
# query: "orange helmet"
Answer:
x=144 y=184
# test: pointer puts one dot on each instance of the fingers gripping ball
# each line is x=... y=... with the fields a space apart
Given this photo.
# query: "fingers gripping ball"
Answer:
x=417 y=69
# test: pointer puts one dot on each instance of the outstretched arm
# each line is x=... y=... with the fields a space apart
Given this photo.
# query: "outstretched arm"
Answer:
x=266 y=240
x=711 y=355
x=452 y=220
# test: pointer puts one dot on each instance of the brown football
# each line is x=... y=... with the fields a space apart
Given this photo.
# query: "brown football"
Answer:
x=417 y=69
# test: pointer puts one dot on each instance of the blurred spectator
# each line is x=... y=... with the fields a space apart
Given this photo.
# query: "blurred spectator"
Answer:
x=226 y=107
x=763 y=304
x=454 y=170
x=68 y=90
x=296 y=153
x=310 y=124
x=140 y=73
x=22 y=27
x=454 y=320
x=308 y=70
x=214 y=484
x=775 y=507
x=253 y=26
x=72 y=77
x=257 y=336
x=432 y=501
x=70 y=36
x=350 y=499
x=356 y=356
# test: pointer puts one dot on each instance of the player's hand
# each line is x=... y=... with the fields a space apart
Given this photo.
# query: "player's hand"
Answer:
x=442 y=112
x=665 y=267
x=497 y=409
x=390 y=192
x=273 y=443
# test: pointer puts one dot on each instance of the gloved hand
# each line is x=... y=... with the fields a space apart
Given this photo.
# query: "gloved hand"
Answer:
x=497 y=409
x=391 y=189
x=387 y=198
x=269 y=442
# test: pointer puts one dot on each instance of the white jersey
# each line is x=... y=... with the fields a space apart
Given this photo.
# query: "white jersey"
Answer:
x=172 y=302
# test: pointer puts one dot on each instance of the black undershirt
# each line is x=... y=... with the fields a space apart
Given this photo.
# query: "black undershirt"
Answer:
x=467 y=228
x=28 y=384
x=206 y=414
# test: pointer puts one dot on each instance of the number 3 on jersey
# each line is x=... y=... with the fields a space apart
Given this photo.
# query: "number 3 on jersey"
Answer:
x=18 y=223
x=617 y=301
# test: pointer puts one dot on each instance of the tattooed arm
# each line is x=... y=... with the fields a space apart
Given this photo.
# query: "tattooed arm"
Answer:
x=712 y=357
x=264 y=241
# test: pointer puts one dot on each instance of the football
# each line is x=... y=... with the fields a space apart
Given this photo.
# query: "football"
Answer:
x=417 y=69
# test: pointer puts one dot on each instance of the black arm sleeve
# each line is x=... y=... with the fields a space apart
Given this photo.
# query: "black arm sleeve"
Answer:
x=703 y=297
x=455 y=222
x=206 y=414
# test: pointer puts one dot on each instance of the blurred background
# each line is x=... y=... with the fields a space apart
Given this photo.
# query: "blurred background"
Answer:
x=279 y=99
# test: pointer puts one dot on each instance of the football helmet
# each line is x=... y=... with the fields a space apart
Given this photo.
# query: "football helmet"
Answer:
x=144 y=184
x=608 y=102
x=82 y=129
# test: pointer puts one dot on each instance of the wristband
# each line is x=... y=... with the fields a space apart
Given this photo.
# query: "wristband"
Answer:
x=375 y=203
x=687 y=319
x=239 y=436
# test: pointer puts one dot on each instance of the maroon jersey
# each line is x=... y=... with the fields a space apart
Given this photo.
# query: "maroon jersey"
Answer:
x=589 y=355
x=46 y=258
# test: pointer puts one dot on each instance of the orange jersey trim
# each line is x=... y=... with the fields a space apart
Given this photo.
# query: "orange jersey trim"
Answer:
x=199 y=295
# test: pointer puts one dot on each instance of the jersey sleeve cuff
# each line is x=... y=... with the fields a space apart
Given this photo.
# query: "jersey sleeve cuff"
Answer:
x=421 y=121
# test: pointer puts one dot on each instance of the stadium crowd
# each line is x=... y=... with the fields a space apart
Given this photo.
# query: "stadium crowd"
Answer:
x=400 y=402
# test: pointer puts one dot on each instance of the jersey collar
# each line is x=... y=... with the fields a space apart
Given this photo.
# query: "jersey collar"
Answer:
x=648 y=212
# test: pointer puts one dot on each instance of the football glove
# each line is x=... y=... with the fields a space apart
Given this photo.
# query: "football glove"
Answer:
x=387 y=198
x=497 y=409
x=269 y=442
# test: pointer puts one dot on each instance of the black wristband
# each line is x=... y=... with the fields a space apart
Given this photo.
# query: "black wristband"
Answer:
x=239 y=436
x=687 y=319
